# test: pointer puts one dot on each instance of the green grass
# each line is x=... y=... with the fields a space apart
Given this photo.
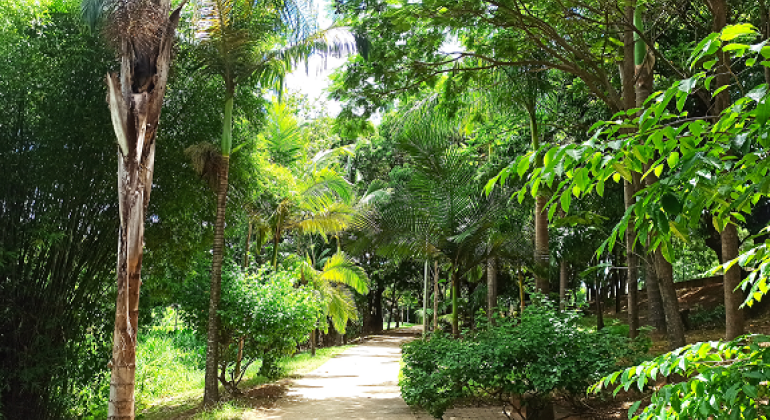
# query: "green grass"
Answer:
x=183 y=397
x=401 y=325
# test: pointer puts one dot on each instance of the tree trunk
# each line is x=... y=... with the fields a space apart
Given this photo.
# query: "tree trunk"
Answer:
x=274 y=259
x=377 y=315
x=617 y=291
x=135 y=111
x=436 y=295
x=211 y=390
x=455 y=292
x=563 y=284
x=674 y=325
x=521 y=290
x=313 y=339
x=657 y=319
x=734 y=319
x=491 y=287
x=764 y=16
x=541 y=246
x=599 y=306
x=248 y=244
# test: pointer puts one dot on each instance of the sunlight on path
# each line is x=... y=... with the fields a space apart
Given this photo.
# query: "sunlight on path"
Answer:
x=361 y=383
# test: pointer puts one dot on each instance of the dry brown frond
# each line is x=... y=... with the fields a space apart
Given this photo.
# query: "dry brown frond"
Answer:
x=140 y=22
x=207 y=161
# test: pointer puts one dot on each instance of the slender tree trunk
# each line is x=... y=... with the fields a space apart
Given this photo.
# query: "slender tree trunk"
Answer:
x=436 y=295
x=541 y=217
x=521 y=290
x=563 y=284
x=674 y=325
x=248 y=244
x=734 y=318
x=211 y=388
x=618 y=293
x=541 y=246
x=313 y=339
x=764 y=15
x=732 y=278
x=455 y=293
x=599 y=306
x=135 y=111
x=491 y=287
x=645 y=62
x=276 y=241
x=629 y=100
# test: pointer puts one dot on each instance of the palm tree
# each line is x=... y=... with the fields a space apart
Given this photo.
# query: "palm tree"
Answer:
x=247 y=42
x=441 y=212
x=143 y=33
x=333 y=283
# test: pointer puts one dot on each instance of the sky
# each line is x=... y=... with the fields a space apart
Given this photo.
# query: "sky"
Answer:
x=315 y=80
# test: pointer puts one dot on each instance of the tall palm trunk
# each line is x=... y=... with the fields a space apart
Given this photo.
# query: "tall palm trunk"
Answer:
x=491 y=287
x=211 y=388
x=135 y=111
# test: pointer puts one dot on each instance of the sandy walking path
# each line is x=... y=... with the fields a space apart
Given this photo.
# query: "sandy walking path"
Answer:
x=361 y=383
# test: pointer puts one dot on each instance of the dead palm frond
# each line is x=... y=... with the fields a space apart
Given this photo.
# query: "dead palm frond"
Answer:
x=140 y=22
x=206 y=160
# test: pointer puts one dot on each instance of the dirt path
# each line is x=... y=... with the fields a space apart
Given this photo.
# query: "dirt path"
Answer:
x=361 y=383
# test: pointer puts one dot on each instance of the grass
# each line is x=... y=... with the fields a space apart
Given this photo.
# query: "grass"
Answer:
x=401 y=325
x=183 y=397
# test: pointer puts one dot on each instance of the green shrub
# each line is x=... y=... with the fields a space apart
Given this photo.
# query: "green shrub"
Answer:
x=262 y=318
x=707 y=318
x=531 y=358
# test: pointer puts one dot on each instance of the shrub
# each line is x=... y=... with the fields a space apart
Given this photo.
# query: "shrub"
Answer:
x=262 y=317
x=528 y=358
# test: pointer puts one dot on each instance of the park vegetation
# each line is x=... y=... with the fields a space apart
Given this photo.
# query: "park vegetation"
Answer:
x=505 y=172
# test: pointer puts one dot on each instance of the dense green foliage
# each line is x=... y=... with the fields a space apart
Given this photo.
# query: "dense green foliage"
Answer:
x=263 y=317
x=525 y=359
x=58 y=214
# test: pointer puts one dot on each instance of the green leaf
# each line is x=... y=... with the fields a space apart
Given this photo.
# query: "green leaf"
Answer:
x=623 y=171
x=523 y=165
x=566 y=199
x=734 y=31
x=633 y=408
x=750 y=390
x=671 y=204
x=673 y=159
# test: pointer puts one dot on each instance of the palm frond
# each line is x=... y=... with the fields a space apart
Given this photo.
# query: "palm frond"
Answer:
x=340 y=268
x=206 y=160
